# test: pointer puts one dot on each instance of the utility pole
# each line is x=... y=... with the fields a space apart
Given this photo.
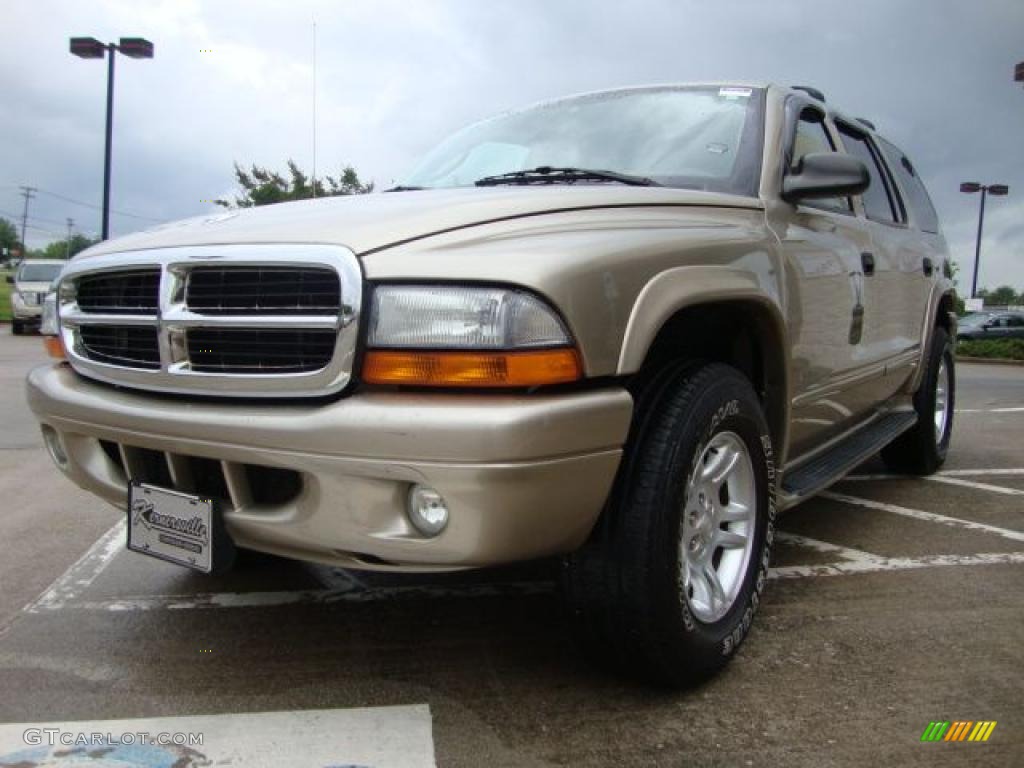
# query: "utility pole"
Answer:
x=67 y=249
x=28 y=193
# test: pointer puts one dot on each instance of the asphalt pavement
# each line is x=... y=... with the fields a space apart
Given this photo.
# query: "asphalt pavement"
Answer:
x=894 y=603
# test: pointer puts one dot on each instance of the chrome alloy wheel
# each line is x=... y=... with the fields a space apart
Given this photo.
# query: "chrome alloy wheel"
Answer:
x=717 y=530
x=942 y=401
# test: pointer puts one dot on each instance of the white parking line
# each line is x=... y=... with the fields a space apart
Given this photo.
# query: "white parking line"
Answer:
x=848 y=568
x=1014 y=409
x=374 y=736
x=342 y=587
x=919 y=514
x=82 y=573
x=980 y=472
x=946 y=473
x=975 y=485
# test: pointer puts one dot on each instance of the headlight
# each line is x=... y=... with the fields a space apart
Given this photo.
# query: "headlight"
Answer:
x=466 y=336
x=48 y=324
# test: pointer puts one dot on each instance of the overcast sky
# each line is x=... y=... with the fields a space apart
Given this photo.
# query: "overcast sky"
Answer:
x=234 y=81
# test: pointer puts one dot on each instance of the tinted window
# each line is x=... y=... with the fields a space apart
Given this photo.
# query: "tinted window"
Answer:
x=913 y=188
x=1015 y=322
x=877 y=204
x=812 y=137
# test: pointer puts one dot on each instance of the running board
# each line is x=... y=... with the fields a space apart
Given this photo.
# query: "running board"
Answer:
x=823 y=470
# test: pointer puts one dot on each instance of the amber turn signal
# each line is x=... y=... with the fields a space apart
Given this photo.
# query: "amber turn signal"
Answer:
x=55 y=347
x=472 y=369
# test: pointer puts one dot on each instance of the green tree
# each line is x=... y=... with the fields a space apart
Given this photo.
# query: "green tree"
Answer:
x=61 y=249
x=261 y=186
x=8 y=237
x=1001 y=296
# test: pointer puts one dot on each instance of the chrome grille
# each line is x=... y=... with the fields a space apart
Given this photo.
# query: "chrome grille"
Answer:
x=255 y=290
x=244 y=321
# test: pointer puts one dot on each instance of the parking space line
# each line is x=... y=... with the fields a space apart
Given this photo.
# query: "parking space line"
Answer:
x=848 y=568
x=82 y=573
x=975 y=485
x=285 y=597
x=980 y=472
x=826 y=547
x=919 y=514
x=946 y=473
x=1013 y=409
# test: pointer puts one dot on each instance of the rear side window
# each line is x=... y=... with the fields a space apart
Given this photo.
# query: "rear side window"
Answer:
x=877 y=204
x=913 y=188
x=811 y=137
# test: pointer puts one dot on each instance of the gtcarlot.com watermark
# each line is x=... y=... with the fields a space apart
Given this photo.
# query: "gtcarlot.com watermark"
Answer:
x=53 y=737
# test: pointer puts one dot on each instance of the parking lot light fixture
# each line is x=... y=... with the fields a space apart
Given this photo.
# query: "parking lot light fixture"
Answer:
x=970 y=187
x=91 y=48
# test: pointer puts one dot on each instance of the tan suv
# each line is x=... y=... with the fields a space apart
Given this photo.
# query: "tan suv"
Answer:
x=624 y=328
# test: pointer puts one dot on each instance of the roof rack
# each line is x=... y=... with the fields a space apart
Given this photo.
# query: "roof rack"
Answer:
x=812 y=92
x=868 y=123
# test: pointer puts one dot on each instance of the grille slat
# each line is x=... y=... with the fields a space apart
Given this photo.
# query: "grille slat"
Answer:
x=278 y=351
x=259 y=290
x=132 y=346
x=120 y=293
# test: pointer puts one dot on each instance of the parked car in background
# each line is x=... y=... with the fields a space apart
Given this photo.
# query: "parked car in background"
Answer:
x=30 y=284
x=991 y=326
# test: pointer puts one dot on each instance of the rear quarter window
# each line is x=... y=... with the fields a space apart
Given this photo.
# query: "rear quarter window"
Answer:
x=914 y=192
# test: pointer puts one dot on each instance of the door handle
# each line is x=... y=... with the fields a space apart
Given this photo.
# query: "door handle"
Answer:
x=867 y=261
x=928 y=267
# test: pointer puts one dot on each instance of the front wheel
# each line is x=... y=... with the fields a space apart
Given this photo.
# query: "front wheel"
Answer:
x=17 y=328
x=922 y=450
x=669 y=583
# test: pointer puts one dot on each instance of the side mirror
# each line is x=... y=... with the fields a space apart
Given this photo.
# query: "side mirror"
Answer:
x=825 y=174
x=10 y=279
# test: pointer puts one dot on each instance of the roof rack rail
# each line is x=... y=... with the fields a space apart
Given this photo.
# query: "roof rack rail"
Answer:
x=868 y=123
x=813 y=92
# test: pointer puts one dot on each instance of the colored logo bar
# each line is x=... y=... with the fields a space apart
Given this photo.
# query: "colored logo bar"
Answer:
x=958 y=730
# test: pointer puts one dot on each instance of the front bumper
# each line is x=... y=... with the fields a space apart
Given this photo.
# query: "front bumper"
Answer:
x=524 y=476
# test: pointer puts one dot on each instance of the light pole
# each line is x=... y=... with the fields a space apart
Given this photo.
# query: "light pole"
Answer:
x=970 y=187
x=91 y=48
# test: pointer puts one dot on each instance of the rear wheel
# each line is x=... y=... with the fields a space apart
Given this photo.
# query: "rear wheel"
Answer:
x=669 y=583
x=922 y=450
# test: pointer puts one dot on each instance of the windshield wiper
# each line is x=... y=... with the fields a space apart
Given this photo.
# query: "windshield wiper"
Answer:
x=403 y=188
x=545 y=174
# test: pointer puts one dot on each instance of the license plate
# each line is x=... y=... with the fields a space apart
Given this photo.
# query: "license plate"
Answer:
x=172 y=526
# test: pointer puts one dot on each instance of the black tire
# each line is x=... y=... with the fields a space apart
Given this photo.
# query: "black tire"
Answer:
x=921 y=450
x=624 y=589
x=17 y=328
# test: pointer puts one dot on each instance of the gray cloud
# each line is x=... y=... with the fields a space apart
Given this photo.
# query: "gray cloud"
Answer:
x=395 y=77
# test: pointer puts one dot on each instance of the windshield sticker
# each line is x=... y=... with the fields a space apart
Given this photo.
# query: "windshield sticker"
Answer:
x=735 y=93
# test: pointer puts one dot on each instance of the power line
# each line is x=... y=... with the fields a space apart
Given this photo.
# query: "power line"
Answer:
x=30 y=218
x=98 y=208
x=67 y=199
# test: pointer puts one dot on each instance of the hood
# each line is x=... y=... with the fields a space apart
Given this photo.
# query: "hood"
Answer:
x=366 y=223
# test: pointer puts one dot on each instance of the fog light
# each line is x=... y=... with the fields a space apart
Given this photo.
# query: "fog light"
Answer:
x=428 y=511
x=55 y=446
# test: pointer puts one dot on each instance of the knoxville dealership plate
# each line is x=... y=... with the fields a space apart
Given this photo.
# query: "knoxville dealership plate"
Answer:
x=171 y=526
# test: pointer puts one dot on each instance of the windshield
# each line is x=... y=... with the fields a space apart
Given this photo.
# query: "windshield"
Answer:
x=39 y=273
x=692 y=137
x=974 y=319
